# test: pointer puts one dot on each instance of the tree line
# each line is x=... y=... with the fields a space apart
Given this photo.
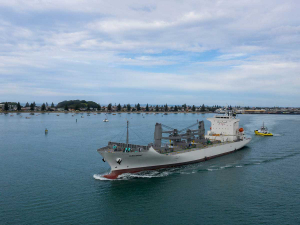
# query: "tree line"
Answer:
x=88 y=105
x=165 y=108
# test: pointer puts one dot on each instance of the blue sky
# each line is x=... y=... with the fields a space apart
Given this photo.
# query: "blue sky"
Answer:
x=195 y=52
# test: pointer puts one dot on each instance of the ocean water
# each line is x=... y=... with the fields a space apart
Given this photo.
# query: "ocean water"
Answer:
x=57 y=178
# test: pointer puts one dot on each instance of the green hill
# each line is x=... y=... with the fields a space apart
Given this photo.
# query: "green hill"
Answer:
x=77 y=104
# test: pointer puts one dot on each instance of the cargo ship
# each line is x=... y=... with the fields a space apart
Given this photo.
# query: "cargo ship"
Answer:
x=184 y=146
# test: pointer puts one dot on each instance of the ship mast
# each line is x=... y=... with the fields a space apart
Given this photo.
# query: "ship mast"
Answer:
x=127 y=137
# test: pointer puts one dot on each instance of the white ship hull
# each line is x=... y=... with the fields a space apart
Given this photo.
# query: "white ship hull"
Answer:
x=132 y=162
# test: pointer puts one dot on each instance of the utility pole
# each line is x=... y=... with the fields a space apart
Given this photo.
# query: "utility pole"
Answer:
x=127 y=138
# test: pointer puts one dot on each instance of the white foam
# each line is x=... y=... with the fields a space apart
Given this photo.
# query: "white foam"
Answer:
x=145 y=174
x=238 y=166
x=99 y=177
x=151 y=174
x=184 y=173
x=128 y=176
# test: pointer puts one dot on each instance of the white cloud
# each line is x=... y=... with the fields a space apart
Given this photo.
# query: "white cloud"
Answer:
x=231 y=56
x=228 y=46
x=70 y=38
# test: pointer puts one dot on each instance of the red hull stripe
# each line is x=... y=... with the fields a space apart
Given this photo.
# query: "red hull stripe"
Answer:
x=114 y=174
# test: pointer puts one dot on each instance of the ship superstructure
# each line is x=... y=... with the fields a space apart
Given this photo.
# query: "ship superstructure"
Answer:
x=184 y=146
x=225 y=128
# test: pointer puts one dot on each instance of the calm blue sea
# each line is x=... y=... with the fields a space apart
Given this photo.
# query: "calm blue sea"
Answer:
x=56 y=178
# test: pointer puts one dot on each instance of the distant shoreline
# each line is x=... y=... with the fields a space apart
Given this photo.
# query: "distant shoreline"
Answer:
x=96 y=112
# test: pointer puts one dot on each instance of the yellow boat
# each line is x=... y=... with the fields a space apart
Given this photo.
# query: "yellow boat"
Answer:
x=263 y=131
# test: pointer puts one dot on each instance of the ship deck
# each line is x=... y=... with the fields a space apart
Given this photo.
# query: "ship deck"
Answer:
x=166 y=150
x=177 y=151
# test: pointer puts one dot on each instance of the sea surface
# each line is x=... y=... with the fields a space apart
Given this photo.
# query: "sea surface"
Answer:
x=56 y=178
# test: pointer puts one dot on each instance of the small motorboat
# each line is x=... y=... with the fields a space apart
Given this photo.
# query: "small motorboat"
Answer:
x=105 y=120
x=263 y=131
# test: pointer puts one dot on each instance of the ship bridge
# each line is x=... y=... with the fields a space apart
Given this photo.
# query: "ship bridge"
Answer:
x=225 y=128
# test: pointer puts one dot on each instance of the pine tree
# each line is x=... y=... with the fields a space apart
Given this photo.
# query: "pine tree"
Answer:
x=156 y=108
x=52 y=105
x=193 y=108
x=184 y=106
x=147 y=108
x=19 y=106
x=175 y=109
x=27 y=104
x=109 y=107
x=98 y=107
x=6 y=106
x=202 y=108
x=119 y=107
x=43 y=108
x=128 y=107
x=166 y=108
x=34 y=105
x=138 y=107
x=31 y=106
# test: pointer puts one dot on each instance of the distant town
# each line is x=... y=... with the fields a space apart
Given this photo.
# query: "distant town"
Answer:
x=90 y=106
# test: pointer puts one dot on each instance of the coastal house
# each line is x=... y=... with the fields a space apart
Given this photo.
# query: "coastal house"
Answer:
x=25 y=109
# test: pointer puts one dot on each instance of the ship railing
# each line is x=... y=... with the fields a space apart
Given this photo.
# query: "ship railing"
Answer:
x=118 y=147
